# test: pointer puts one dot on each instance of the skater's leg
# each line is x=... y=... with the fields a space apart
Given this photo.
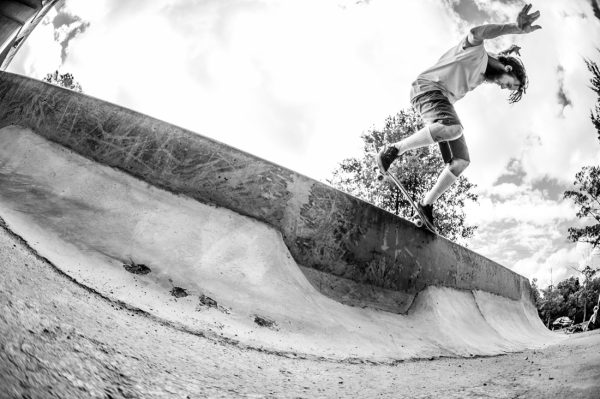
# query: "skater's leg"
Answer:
x=434 y=133
x=389 y=153
x=445 y=180
x=460 y=161
x=441 y=124
x=445 y=151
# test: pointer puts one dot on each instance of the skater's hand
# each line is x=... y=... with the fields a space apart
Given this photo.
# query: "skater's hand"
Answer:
x=525 y=20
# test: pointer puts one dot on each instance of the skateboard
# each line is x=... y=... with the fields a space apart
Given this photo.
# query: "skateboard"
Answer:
x=419 y=221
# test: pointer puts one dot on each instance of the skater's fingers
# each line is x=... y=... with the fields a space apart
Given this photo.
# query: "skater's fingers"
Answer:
x=534 y=16
x=524 y=10
x=522 y=16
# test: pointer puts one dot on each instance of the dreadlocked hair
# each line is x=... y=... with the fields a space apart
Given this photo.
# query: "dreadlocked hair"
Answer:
x=518 y=70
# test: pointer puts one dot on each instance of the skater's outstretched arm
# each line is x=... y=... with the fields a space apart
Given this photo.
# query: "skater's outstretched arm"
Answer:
x=490 y=31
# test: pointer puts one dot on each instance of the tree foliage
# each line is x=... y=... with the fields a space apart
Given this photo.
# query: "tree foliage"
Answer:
x=65 y=80
x=595 y=81
x=586 y=196
x=417 y=170
x=568 y=298
x=537 y=298
x=586 y=193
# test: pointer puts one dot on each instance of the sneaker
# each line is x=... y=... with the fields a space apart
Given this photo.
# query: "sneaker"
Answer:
x=427 y=210
x=386 y=156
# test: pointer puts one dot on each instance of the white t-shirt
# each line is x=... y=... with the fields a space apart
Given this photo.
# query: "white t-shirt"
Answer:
x=457 y=72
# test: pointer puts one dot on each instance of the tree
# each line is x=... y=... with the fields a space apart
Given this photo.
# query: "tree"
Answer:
x=568 y=298
x=552 y=305
x=417 y=170
x=537 y=298
x=595 y=81
x=586 y=194
x=587 y=197
x=65 y=80
x=587 y=273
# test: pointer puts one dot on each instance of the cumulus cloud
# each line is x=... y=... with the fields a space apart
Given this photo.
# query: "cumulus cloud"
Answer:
x=304 y=78
x=562 y=97
x=525 y=227
x=552 y=266
x=288 y=81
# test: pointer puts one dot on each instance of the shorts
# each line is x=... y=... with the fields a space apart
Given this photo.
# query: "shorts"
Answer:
x=434 y=106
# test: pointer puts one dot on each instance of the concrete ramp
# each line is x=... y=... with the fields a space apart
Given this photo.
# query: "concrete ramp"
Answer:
x=208 y=267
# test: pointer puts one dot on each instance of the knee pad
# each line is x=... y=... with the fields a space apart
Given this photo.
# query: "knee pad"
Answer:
x=441 y=132
x=457 y=166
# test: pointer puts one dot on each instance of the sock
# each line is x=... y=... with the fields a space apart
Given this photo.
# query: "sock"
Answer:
x=443 y=183
x=415 y=140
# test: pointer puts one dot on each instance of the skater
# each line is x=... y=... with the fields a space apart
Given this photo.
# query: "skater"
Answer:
x=458 y=71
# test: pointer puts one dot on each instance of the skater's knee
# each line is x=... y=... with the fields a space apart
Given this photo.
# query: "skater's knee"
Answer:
x=441 y=132
x=457 y=166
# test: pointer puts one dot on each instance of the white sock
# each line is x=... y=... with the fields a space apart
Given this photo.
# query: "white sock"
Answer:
x=443 y=183
x=415 y=140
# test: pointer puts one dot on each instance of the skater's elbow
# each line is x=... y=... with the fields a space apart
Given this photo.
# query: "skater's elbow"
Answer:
x=474 y=37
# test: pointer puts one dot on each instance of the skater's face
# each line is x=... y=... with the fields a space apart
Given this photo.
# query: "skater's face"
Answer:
x=508 y=82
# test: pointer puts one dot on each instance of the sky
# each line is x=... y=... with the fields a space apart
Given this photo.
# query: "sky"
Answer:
x=297 y=82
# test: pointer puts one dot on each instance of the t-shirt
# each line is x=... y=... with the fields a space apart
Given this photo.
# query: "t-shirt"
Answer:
x=457 y=72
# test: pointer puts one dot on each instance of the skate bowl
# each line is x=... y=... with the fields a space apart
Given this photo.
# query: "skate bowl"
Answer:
x=222 y=244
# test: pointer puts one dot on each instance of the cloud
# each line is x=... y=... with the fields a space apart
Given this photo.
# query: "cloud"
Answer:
x=548 y=138
x=514 y=173
x=67 y=27
x=288 y=81
x=552 y=266
x=509 y=202
x=525 y=228
x=563 y=99
x=470 y=11
x=302 y=79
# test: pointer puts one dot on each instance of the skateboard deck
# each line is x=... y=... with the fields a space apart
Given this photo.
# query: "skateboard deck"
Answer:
x=421 y=220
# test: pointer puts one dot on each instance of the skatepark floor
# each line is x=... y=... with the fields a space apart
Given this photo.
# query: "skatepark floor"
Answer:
x=59 y=339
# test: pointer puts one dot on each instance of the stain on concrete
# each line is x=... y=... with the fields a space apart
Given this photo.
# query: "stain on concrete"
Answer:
x=265 y=322
x=179 y=292
x=206 y=302
x=136 y=268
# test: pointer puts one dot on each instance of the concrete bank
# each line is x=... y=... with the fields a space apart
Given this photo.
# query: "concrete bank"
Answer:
x=345 y=245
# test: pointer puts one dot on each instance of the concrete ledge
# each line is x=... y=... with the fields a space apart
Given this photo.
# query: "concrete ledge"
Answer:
x=8 y=27
x=324 y=229
x=17 y=11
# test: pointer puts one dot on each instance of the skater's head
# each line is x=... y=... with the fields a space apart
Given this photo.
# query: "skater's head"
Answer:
x=508 y=72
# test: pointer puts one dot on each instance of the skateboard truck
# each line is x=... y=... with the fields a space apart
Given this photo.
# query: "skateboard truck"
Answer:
x=421 y=219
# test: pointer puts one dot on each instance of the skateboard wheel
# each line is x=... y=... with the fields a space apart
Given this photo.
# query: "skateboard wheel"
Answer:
x=380 y=177
x=418 y=223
